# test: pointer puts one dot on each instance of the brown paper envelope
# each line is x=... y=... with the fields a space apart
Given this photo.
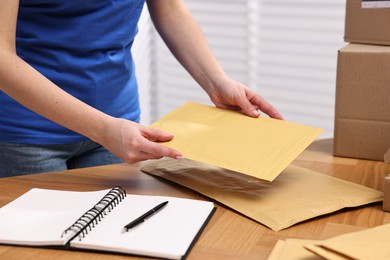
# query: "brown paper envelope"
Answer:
x=297 y=249
x=324 y=253
x=293 y=249
x=371 y=243
x=295 y=195
x=276 y=252
x=259 y=147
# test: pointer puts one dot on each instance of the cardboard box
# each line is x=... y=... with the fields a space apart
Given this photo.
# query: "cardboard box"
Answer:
x=386 y=194
x=362 y=115
x=366 y=25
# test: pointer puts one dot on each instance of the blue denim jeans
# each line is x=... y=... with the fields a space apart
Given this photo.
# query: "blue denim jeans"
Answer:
x=21 y=159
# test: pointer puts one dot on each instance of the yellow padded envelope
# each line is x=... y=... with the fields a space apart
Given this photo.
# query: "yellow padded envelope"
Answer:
x=259 y=147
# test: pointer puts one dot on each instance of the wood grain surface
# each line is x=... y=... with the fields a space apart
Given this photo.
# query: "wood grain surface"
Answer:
x=229 y=235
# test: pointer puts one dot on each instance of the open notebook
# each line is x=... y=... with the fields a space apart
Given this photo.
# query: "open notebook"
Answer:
x=95 y=220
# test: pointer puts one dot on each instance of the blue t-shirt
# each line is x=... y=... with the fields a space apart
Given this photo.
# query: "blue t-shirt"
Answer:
x=84 y=48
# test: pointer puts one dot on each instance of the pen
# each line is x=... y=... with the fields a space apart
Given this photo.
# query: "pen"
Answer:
x=144 y=216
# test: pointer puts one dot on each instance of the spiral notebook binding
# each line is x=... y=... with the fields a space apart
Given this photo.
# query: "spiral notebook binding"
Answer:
x=94 y=215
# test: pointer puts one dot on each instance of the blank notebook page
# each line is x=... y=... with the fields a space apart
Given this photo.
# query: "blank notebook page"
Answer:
x=168 y=233
x=39 y=216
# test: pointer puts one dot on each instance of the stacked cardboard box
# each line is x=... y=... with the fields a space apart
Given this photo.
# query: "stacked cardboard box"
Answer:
x=366 y=25
x=362 y=116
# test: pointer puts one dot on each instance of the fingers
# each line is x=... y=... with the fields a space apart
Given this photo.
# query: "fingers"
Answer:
x=266 y=107
x=133 y=142
x=156 y=149
x=144 y=147
x=156 y=135
x=247 y=107
x=252 y=103
x=150 y=150
x=233 y=95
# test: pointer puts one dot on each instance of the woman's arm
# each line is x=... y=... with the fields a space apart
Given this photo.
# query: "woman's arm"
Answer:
x=23 y=83
x=186 y=41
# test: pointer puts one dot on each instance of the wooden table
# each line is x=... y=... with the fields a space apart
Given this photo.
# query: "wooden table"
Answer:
x=228 y=235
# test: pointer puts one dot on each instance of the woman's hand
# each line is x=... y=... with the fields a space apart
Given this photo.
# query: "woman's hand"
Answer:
x=230 y=94
x=133 y=142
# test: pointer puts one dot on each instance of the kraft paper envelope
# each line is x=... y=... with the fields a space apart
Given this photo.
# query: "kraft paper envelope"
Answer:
x=297 y=194
x=259 y=147
x=292 y=249
x=371 y=243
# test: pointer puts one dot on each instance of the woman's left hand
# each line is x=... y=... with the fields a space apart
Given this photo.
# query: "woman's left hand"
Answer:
x=230 y=94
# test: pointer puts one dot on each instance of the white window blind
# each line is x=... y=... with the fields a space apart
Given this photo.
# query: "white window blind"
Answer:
x=285 y=50
x=298 y=44
x=225 y=25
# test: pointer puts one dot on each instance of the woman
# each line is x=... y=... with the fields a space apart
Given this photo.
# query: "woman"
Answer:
x=68 y=91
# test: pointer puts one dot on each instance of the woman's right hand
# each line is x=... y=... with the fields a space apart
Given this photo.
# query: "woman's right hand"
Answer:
x=133 y=142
